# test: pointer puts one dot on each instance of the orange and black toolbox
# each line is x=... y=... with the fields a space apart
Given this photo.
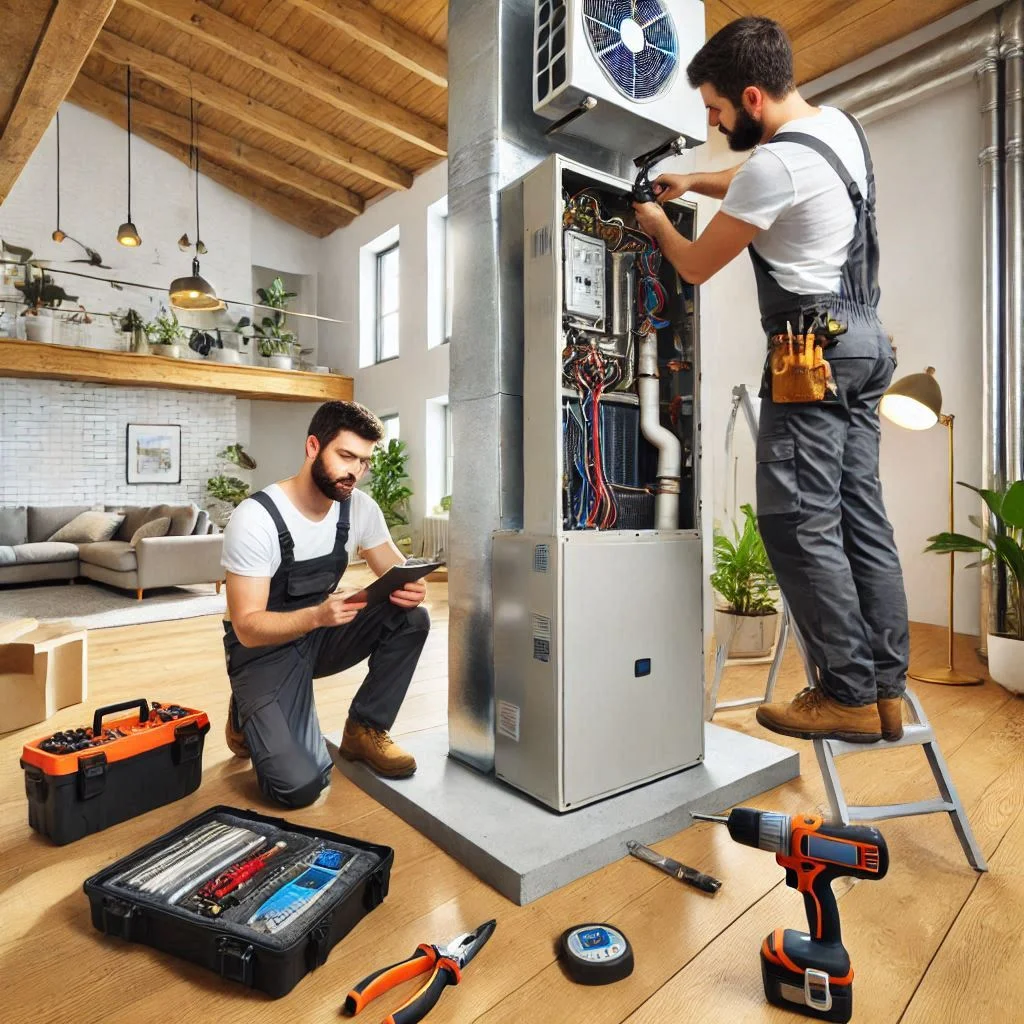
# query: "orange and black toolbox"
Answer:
x=257 y=899
x=84 y=780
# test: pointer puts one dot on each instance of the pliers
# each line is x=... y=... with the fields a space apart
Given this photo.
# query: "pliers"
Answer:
x=445 y=964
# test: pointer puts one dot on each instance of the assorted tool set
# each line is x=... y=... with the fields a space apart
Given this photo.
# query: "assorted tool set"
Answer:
x=82 y=780
x=259 y=900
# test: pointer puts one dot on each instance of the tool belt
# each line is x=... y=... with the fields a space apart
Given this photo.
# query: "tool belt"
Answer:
x=798 y=370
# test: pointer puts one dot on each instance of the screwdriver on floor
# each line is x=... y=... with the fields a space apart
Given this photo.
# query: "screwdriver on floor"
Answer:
x=691 y=876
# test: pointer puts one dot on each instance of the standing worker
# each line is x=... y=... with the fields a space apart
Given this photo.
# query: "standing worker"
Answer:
x=804 y=205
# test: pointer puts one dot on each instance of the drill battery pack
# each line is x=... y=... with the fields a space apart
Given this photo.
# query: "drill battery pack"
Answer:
x=81 y=781
x=807 y=977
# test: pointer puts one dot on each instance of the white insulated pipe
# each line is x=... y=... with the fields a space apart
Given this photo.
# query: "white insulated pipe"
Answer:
x=666 y=500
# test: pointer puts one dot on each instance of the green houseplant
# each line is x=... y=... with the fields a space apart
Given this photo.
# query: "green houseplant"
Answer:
x=41 y=296
x=1004 y=546
x=228 y=492
x=165 y=330
x=388 y=488
x=274 y=340
x=744 y=580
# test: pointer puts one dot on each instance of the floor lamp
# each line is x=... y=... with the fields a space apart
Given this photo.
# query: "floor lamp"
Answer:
x=915 y=402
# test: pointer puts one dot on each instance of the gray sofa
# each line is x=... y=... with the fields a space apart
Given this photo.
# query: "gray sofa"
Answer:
x=190 y=553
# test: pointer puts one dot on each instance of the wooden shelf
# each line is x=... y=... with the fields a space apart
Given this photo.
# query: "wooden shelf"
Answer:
x=126 y=369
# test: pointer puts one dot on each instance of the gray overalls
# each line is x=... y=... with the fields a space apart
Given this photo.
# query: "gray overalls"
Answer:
x=819 y=499
x=273 y=686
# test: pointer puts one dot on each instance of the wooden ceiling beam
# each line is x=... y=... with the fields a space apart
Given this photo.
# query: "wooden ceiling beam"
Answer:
x=235 y=155
x=66 y=40
x=264 y=118
x=308 y=218
x=367 y=25
x=281 y=62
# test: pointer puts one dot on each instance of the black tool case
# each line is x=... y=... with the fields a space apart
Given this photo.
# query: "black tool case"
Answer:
x=125 y=767
x=274 y=963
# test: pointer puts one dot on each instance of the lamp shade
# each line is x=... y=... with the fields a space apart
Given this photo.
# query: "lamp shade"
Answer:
x=127 y=234
x=194 y=292
x=914 y=401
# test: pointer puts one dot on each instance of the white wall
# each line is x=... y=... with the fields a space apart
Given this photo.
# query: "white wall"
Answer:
x=928 y=209
x=420 y=373
x=237 y=234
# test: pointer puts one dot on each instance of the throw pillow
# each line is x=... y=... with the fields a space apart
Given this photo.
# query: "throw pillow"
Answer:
x=154 y=528
x=89 y=528
x=13 y=525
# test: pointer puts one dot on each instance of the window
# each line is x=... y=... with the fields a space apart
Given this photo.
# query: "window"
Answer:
x=390 y=424
x=449 y=277
x=449 y=461
x=386 y=317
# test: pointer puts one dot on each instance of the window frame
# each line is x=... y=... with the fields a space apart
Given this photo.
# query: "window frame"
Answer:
x=378 y=313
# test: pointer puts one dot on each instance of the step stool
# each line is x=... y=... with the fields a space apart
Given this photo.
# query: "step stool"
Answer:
x=917 y=731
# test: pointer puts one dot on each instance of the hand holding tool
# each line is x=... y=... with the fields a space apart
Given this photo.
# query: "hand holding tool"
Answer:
x=445 y=964
x=691 y=876
x=810 y=973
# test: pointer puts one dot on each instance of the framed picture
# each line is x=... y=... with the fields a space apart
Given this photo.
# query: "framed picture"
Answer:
x=154 y=453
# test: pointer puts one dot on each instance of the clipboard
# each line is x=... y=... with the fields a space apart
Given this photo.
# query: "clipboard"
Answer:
x=394 y=579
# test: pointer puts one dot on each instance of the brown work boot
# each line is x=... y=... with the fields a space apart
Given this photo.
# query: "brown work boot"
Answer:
x=813 y=715
x=890 y=711
x=374 y=746
x=234 y=735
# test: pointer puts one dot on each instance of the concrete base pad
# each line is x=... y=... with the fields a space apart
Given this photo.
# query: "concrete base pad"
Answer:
x=523 y=849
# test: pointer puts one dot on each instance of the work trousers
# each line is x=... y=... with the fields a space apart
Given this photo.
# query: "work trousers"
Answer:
x=824 y=525
x=273 y=692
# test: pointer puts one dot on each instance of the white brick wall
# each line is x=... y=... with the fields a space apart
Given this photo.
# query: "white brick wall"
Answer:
x=63 y=443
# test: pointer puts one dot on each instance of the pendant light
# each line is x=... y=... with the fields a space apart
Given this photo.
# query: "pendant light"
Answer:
x=58 y=235
x=127 y=234
x=194 y=292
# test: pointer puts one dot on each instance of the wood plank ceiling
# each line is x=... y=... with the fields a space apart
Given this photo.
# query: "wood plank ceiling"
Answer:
x=311 y=108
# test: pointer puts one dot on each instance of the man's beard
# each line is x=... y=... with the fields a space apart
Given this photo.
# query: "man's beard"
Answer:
x=746 y=133
x=337 y=489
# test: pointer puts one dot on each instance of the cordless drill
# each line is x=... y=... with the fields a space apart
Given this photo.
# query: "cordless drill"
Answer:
x=810 y=973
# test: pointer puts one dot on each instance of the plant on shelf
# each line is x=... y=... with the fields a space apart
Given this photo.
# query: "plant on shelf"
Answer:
x=1002 y=547
x=273 y=339
x=40 y=294
x=743 y=577
x=165 y=330
x=388 y=488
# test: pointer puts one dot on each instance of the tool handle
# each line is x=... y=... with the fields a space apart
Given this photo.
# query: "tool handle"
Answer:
x=819 y=901
x=706 y=883
x=386 y=978
x=126 y=705
x=425 y=998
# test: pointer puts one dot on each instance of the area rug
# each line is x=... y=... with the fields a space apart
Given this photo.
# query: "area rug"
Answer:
x=97 y=607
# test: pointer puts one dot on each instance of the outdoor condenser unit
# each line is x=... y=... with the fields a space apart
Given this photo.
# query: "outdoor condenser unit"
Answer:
x=598 y=642
x=628 y=55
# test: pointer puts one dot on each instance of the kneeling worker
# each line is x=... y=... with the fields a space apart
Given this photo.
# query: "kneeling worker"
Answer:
x=285 y=550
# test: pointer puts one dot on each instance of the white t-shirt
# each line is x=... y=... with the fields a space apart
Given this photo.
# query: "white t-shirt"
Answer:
x=251 y=547
x=800 y=204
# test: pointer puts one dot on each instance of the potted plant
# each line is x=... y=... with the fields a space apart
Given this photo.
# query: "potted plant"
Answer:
x=165 y=331
x=228 y=492
x=42 y=296
x=131 y=323
x=275 y=342
x=1004 y=546
x=387 y=486
x=743 y=578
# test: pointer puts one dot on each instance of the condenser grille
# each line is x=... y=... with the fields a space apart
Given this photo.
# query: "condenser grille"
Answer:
x=635 y=43
x=549 y=46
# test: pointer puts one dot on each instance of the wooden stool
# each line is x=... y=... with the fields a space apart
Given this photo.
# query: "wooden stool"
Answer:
x=42 y=669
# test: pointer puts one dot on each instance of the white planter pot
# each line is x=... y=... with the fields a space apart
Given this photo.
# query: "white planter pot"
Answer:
x=1006 y=662
x=39 y=328
x=280 y=362
x=174 y=351
x=749 y=636
x=225 y=355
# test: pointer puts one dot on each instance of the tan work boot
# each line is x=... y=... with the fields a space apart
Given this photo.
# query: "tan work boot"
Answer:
x=235 y=737
x=374 y=746
x=890 y=711
x=813 y=715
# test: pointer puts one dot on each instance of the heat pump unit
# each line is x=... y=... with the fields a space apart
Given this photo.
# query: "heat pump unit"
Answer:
x=628 y=55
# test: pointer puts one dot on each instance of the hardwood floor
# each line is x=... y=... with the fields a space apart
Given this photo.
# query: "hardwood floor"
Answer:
x=932 y=942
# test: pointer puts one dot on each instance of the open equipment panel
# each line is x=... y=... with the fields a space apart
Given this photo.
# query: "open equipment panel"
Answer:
x=597 y=601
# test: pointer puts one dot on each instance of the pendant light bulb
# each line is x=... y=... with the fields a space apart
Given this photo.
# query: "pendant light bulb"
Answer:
x=58 y=235
x=128 y=235
x=184 y=243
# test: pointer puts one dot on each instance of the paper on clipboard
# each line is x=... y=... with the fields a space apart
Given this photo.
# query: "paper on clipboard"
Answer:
x=394 y=579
